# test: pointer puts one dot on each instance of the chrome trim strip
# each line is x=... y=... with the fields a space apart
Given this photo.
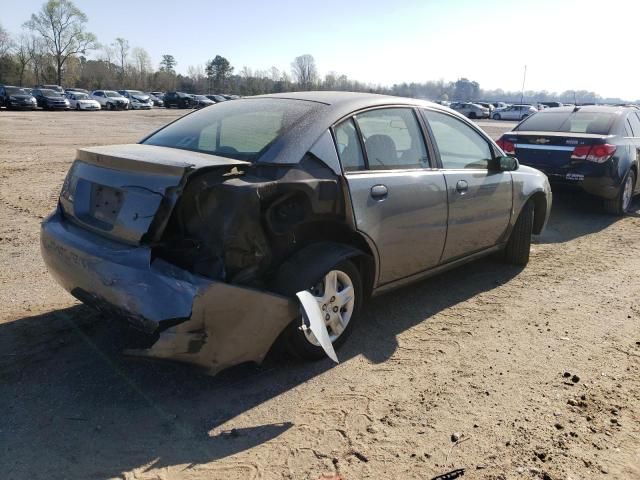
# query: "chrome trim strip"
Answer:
x=545 y=147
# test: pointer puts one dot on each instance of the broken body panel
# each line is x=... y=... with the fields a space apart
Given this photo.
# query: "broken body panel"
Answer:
x=155 y=236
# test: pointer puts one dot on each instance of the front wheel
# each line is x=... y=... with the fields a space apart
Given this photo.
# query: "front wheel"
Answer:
x=620 y=205
x=497 y=117
x=519 y=245
x=339 y=295
x=77 y=106
x=472 y=115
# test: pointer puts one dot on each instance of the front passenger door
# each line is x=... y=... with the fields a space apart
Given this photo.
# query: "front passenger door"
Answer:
x=480 y=198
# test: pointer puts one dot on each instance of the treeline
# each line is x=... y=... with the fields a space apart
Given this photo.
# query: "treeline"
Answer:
x=55 y=47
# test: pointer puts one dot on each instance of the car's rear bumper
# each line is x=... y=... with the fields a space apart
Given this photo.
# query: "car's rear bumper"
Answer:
x=200 y=321
x=596 y=179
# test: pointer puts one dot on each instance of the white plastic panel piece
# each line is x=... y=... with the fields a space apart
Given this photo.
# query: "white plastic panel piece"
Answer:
x=316 y=322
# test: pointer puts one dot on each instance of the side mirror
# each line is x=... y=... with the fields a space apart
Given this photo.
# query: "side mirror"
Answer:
x=508 y=164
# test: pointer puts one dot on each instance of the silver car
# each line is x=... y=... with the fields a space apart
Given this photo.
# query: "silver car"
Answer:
x=276 y=217
x=471 y=110
x=514 y=112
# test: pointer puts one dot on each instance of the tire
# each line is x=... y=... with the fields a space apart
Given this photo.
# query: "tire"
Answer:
x=78 y=106
x=294 y=339
x=519 y=245
x=523 y=117
x=497 y=117
x=620 y=205
x=472 y=115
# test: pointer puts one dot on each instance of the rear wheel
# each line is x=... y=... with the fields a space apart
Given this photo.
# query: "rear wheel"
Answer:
x=519 y=244
x=339 y=295
x=77 y=106
x=472 y=115
x=620 y=205
x=497 y=117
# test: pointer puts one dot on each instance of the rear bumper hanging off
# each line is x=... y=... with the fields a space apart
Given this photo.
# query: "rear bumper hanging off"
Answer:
x=218 y=324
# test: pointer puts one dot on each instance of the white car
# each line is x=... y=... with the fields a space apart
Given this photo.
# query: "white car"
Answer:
x=137 y=99
x=81 y=101
x=514 y=112
x=110 y=100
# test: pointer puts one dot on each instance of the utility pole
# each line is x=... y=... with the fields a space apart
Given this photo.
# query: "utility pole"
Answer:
x=524 y=79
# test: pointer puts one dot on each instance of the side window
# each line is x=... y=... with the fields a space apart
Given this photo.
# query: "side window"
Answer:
x=635 y=124
x=349 y=150
x=392 y=139
x=460 y=146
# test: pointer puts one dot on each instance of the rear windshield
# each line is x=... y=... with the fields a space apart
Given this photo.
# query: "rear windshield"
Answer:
x=578 y=122
x=242 y=130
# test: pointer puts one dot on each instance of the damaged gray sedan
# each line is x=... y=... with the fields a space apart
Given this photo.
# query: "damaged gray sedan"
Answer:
x=275 y=217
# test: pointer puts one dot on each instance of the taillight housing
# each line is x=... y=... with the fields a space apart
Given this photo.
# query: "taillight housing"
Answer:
x=594 y=153
x=507 y=147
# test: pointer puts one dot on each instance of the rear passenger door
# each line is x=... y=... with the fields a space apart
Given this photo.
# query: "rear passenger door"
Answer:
x=399 y=199
x=480 y=198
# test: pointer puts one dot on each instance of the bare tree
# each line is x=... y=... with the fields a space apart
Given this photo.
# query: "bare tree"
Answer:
x=5 y=42
x=22 y=55
x=38 y=57
x=61 y=24
x=121 y=47
x=274 y=74
x=304 y=71
x=143 y=65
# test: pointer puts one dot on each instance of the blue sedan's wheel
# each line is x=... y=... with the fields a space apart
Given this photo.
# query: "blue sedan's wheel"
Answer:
x=620 y=205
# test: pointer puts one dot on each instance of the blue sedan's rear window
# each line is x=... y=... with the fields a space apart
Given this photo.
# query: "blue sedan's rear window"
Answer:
x=571 y=122
x=239 y=129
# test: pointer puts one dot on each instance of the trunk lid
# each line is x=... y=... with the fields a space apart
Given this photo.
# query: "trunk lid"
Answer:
x=127 y=192
x=551 y=152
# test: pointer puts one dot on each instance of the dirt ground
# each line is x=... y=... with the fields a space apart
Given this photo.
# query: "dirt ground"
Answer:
x=503 y=372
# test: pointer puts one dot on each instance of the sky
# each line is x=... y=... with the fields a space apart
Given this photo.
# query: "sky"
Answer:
x=565 y=44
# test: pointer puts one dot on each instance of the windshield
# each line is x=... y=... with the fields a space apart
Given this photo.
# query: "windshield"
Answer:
x=242 y=130
x=80 y=96
x=15 y=91
x=51 y=93
x=112 y=94
x=579 y=122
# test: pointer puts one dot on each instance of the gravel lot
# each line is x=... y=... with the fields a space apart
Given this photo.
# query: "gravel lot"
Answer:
x=505 y=372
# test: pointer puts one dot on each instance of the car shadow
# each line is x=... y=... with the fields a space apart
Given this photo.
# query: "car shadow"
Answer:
x=575 y=214
x=69 y=394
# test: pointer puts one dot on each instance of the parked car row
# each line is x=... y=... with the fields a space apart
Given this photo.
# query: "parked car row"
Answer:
x=54 y=97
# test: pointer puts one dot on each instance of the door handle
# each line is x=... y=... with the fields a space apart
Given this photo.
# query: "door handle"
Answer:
x=379 y=192
x=462 y=186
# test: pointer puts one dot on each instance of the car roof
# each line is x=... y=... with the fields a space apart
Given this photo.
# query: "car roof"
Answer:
x=331 y=107
x=590 y=109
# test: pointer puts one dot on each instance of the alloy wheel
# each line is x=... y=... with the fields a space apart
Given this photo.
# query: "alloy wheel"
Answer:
x=336 y=298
